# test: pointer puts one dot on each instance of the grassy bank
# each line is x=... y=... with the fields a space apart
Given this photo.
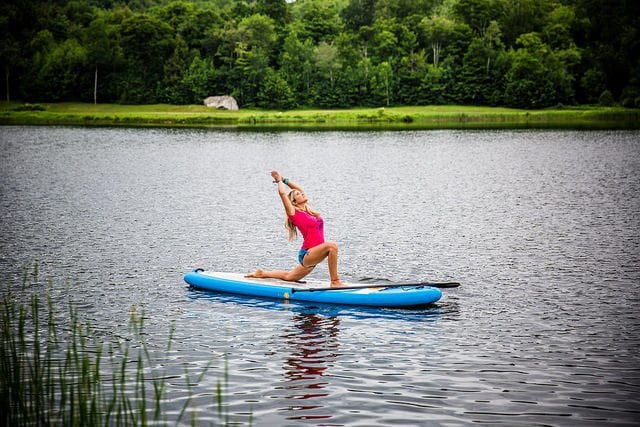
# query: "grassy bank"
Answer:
x=418 y=117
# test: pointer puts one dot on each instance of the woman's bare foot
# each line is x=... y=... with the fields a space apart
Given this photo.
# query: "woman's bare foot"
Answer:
x=258 y=273
x=336 y=283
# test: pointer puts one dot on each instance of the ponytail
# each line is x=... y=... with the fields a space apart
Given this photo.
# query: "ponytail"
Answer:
x=292 y=231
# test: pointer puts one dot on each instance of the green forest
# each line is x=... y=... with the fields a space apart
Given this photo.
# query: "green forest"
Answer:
x=278 y=54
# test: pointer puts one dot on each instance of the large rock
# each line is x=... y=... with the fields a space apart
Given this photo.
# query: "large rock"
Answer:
x=222 y=102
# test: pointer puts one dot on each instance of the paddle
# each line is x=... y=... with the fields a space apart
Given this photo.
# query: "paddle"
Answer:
x=393 y=285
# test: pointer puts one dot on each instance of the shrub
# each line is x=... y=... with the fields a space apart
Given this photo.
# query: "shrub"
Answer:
x=29 y=107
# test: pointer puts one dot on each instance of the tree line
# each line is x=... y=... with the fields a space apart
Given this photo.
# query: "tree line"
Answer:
x=280 y=54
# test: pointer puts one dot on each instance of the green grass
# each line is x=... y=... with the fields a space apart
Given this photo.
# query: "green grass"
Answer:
x=416 y=117
x=56 y=372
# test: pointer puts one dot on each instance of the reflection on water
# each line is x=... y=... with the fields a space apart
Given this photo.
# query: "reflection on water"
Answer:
x=313 y=343
x=309 y=342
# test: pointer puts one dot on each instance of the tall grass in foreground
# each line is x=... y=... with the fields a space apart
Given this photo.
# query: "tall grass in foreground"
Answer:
x=61 y=374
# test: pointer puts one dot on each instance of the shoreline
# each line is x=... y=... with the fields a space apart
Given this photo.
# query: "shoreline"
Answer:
x=387 y=118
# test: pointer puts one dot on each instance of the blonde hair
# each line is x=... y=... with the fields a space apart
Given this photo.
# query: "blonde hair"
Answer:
x=292 y=230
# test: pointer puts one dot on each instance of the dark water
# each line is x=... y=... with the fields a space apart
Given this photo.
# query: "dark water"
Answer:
x=541 y=227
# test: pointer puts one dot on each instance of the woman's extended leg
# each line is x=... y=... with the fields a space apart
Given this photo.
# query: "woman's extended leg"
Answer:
x=298 y=273
x=317 y=254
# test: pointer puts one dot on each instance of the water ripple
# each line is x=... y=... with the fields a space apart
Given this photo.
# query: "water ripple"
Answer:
x=542 y=228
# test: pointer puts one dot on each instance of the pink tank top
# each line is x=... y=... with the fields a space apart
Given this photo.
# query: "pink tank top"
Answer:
x=311 y=227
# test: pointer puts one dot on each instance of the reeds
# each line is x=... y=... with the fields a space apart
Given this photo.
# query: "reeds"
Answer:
x=56 y=372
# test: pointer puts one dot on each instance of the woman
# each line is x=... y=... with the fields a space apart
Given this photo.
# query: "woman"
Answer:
x=314 y=249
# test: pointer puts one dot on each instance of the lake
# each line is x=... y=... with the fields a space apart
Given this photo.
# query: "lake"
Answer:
x=542 y=229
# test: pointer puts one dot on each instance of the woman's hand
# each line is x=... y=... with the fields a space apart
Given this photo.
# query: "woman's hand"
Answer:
x=276 y=176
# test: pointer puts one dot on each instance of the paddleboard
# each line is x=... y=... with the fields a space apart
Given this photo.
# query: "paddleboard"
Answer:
x=373 y=295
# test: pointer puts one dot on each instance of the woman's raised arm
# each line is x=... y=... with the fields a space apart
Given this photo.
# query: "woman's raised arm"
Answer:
x=292 y=185
x=288 y=206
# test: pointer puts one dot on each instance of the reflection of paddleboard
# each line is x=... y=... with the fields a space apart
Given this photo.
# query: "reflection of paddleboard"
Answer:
x=378 y=295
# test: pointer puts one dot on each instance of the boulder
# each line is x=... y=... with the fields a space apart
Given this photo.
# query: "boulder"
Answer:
x=221 y=102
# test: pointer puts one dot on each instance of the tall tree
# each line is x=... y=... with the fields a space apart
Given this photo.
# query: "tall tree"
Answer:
x=382 y=81
x=258 y=31
x=177 y=14
x=296 y=61
x=412 y=67
x=320 y=18
x=275 y=92
x=61 y=72
x=326 y=60
x=201 y=80
x=437 y=31
x=521 y=17
x=173 y=90
x=10 y=28
x=274 y=9
x=609 y=35
x=478 y=14
x=538 y=76
x=480 y=78
x=103 y=48
x=384 y=41
x=147 y=43
x=10 y=59
x=358 y=13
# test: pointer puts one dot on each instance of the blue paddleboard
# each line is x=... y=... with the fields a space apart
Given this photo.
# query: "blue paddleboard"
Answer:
x=375 y=295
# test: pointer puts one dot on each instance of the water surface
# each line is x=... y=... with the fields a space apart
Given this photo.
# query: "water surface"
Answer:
x=541 y=227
